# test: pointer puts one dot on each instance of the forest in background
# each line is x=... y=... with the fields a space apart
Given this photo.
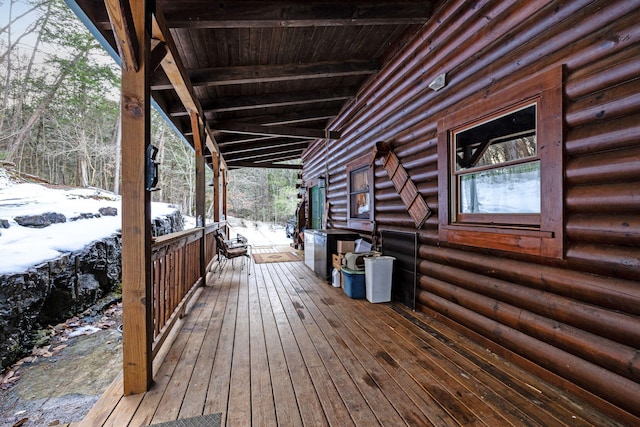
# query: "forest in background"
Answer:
x=59 y=118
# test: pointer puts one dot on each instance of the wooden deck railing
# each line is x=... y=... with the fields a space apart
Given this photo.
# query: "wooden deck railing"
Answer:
x=176 y=274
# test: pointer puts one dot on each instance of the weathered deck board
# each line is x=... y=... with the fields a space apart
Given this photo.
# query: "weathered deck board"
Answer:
x=283 y=393
x=281 y=347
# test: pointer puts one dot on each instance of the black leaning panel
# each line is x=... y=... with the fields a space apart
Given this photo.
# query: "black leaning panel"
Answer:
x=403 y=246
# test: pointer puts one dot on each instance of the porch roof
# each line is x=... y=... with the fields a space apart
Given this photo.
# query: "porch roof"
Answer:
x=282 y=347
x=268 y=77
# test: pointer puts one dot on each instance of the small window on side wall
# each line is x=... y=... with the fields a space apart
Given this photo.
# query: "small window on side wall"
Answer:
x=500 y=170
x=360 y=195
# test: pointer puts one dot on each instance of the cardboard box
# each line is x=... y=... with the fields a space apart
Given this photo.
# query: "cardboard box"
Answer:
x=336 y=261
x=345 y=246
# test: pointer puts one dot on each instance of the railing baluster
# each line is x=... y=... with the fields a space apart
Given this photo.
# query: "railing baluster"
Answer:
x=175 y=272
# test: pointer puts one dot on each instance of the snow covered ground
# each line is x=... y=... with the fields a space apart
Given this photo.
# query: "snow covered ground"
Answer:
x=259 y=234
x=24 y=247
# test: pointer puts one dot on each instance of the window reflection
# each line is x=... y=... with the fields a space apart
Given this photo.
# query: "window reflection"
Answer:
x=359 y=193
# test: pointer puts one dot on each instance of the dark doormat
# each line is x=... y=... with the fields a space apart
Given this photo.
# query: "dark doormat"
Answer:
x=212 y=420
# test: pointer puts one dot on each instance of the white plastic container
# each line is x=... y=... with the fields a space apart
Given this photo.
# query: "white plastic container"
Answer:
x=335 y=278
x=378 y=276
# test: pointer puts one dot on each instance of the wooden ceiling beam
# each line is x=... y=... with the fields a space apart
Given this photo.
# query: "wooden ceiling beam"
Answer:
x=243 y=139
x=173 y=67
x=279 y=159
x=175 y=70
x=273 y=100
x=298 y=144
x=291 y=118
x=244 y=103
x=271 y=73
x=267 y=155
x=158 y=52
x=290 y=13
x=238 y=165
x=121 y=20
x=281 y=131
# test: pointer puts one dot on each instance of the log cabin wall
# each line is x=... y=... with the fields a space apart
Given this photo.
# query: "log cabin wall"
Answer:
x=574 y=319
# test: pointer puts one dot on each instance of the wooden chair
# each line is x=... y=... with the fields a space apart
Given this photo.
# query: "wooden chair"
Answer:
x=230 y=249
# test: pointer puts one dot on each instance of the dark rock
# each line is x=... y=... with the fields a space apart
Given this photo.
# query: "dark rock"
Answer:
x=22 y=297
x=85 y=215
x=167 y=224
x=40 y=221
x=4 y=223
x=108 y=211
x=87 y=276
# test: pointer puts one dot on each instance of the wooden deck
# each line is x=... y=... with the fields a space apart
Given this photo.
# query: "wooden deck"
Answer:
x=280 y=347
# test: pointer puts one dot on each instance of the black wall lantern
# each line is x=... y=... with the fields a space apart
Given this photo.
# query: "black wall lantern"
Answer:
x=152 y=168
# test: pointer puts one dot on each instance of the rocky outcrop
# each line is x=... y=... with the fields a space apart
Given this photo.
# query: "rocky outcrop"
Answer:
x=167 y=224
x=41 y=220
x=79 y=280
x=54 y=291
x=108 y=211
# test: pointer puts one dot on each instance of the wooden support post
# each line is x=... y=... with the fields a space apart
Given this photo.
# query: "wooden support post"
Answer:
x=223 y=173
x=136 y=214
x=200 y=188
x=216 y=186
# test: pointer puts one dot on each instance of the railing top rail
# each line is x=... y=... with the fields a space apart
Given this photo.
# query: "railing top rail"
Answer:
x=168 y=239
x=189 y=235
x=214 y=226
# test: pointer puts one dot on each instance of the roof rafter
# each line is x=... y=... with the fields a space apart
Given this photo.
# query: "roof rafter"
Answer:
x=298 y=144
x=244 y=139
x=124 y=31
x=281 y=131
x=272 y=73
x=238 y=165
x=272 y=154
x=173 y=67
x=291 y=118
x=272 y=100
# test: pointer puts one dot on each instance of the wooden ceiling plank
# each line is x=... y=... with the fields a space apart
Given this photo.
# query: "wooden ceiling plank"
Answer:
x=121 y=19
x=223 y=76
x=281 y=131
x=246 y=14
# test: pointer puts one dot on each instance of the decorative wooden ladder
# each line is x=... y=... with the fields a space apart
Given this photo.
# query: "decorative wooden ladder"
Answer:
x=405 y=187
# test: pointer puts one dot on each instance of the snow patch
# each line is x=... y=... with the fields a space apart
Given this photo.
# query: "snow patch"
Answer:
x=22 y=247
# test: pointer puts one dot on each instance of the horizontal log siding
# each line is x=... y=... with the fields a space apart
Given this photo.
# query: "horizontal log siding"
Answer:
x=575 y=321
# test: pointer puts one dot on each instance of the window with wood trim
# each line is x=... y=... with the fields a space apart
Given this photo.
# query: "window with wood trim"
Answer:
x=360 y=194
x=495 y=169
x=500 y=170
